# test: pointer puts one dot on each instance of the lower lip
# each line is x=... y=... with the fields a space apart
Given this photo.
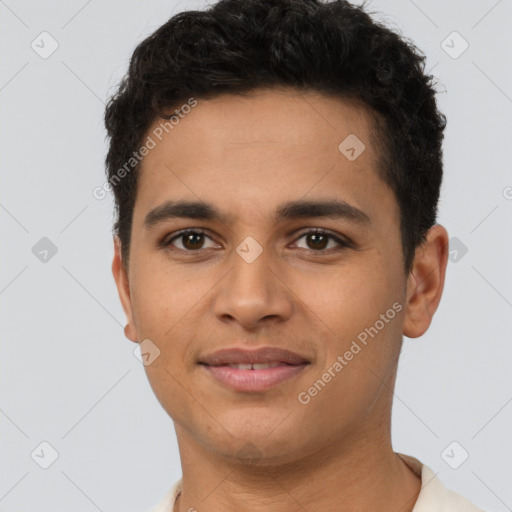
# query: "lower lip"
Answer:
x=254 y=380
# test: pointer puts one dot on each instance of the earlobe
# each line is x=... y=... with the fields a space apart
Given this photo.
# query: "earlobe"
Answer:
x=123 y=288
x=426 y=282
x=129 y=332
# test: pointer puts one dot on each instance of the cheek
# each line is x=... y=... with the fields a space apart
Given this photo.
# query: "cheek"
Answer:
x=164 y=296
x=349 y=298
x=363 y=313
x=361 y=306
x=169 y=307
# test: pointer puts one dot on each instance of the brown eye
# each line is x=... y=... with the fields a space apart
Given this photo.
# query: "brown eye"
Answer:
x=190 y=241
x=317 y=240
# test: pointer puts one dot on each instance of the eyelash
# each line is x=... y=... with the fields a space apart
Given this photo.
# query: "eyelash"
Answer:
x=167 y=242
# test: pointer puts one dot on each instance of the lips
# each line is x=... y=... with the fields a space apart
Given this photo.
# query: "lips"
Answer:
x=239 y=356
x=253 y=370
x=256 y=366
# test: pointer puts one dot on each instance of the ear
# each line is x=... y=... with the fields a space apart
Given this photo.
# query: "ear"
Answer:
x=426 y=282
x=123 y=289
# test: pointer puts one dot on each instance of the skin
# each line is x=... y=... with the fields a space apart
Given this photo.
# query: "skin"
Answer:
x=246 y=156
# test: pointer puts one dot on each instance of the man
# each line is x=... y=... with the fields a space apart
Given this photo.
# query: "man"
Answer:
x=276 y=166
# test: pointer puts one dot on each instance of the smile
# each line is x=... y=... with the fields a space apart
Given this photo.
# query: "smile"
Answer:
x=254 y=377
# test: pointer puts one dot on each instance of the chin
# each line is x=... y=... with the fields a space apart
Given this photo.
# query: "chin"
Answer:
x=260 y=446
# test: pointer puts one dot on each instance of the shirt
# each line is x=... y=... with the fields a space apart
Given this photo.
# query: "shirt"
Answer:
x=433 y=496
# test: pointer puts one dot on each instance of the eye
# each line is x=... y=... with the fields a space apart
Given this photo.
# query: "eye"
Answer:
x=318 y=240
x=190 y=240
x=193 y=240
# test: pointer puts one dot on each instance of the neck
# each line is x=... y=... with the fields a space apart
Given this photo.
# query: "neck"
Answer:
x=360 y=474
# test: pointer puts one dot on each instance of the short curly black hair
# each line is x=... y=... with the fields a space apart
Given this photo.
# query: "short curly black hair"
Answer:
x=330 y=47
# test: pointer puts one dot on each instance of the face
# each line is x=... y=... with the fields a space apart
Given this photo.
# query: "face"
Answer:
x=305 y=256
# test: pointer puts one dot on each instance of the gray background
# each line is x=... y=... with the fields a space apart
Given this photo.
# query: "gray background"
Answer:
x=67 y=374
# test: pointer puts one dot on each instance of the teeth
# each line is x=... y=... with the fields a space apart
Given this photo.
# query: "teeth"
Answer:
x=264 y=366
x=254 y=366
x=240 y=366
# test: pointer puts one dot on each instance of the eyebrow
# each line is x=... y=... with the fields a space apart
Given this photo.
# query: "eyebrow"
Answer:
x=199 y=210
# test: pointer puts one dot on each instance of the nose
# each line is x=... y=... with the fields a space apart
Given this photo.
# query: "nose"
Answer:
x=253 y=293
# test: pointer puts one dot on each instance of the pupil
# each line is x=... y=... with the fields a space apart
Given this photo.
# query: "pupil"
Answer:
x=316 y=237
x=189 y=240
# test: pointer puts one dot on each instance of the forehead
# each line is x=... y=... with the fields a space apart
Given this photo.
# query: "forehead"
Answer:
x=261 y=148
x=281 y=117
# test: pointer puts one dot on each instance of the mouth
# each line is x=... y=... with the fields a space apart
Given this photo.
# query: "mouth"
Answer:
x=253 y=370
x=256 y=366
x=255 y=377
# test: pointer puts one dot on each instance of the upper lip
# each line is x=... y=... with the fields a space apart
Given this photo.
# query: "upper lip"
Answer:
x=245 y=356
